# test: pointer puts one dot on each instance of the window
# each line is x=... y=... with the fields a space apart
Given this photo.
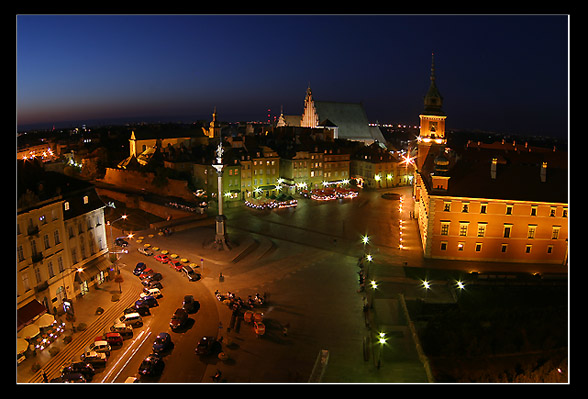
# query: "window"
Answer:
x=463 y=229
x=66 y=206
x=555 y=232
x=444 y=228
x=464 y=207
x=564 y=213
x=85 y=199
x=20 y=253
x=509 y=209
x=483 y=208
x=533 y=210
x=481 y=229
x=446 y=206
x=550 y=249
x=56 y=237
x=503 y=248
x=443 y=245
x=46 y=241
x=507 y=230
x=460 y=246
x=552 y=211
x=531 y=231
x=478 y=247
x=528 y=249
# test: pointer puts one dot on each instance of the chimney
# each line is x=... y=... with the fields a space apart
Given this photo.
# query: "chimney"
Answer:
x=493 y=168
x=543 y=172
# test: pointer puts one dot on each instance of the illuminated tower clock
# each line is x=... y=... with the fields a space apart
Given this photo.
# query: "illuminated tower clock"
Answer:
x=432 y=130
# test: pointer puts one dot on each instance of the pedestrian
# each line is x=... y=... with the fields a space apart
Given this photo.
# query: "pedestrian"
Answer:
x=45 y=378
x=285 y=329
x=221 y=278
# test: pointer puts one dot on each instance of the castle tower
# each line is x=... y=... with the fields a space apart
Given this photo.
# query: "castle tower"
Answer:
x=432 y=132
x=214 y=130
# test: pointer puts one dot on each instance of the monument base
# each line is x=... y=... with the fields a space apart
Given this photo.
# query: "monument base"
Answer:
x=221 y=239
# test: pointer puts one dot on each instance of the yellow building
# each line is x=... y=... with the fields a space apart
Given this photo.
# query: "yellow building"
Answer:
x=501 y=202
x=61 y=241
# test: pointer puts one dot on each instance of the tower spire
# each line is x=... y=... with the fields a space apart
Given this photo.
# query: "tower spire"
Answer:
x=432 y=66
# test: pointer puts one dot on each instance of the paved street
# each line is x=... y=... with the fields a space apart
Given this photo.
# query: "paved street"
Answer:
x=305 y=260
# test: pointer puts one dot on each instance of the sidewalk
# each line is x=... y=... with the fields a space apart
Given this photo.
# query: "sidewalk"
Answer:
x=85 y=312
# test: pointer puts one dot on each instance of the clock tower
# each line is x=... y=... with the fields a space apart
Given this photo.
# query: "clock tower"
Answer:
x=432 y=131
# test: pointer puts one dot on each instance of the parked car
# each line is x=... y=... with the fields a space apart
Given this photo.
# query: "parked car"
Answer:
x=179 y=319
x=69 y=378
x=83 y=368
x=132 y=319
x=147 y=300
x=161 y=258
x=96 y=359
x=121 y=242
x=162 y=342
x=153 y=277
x=124 y=330
x=154 y=292
x=152 y=365
x=143 y=310
x=189 y=304
x=192 y=275
x=139 y=268
x=113 y=339
x=176 y=264
x=147 y=272
x=99 y=346
x=145 y=251
x=150 y=283
x=208 y=345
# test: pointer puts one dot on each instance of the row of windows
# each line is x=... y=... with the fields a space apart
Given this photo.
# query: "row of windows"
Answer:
x=465 y=208
x=506 y=230
x=503 y=247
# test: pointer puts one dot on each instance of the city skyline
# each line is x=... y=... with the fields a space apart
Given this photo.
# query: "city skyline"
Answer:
x=500 y=73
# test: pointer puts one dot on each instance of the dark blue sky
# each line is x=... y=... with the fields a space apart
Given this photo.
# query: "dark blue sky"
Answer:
x=502 y=73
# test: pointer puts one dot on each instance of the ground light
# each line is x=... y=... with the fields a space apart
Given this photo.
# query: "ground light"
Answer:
x=427 y=285
x=382 y=338
x=460 y=285
x=373 y=284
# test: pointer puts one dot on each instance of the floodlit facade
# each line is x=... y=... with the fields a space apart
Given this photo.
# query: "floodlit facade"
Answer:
x=502 y=202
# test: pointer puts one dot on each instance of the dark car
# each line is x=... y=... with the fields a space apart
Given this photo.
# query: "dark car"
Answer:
x=69 y=378
x=192 y=275
x=162 y=342
x=207 y=345
x=83 y=368
x=150 y=283
x=121 y=242
x=179 y=318
x=152 y=365
x=147 y=300
x=189 y=304
x=139 y=268
x=142 y=309
x=152 y=277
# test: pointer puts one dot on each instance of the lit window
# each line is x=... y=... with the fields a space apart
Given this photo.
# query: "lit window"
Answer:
x=463 y=228
x=444 y=228
x=555 y=232
x=531 y=231
x=66 y=206
x=481 y=229
x=85 y=199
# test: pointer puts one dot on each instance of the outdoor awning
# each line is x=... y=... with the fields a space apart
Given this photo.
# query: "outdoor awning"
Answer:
x=25 y=314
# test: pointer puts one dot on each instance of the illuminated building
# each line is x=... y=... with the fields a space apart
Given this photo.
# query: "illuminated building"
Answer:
x=61 y=241
x=502 y=202
x=347 y=120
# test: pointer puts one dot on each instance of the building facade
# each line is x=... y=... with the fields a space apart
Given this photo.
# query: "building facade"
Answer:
x=498 y=202
x=61 y=242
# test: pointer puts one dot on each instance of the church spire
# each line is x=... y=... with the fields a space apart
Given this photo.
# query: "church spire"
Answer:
x=433 y=99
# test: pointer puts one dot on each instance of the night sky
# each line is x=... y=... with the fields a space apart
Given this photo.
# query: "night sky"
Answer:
x=501 y=73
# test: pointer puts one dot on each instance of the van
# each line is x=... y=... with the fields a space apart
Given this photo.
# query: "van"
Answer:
x=132 y=319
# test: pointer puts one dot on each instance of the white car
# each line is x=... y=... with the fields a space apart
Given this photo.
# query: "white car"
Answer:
x=154 y=292
x=94 y=358
x=100 y=347
x=145 y=251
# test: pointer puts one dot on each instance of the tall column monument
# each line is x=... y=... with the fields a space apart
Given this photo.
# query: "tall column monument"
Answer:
x=220 y=238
